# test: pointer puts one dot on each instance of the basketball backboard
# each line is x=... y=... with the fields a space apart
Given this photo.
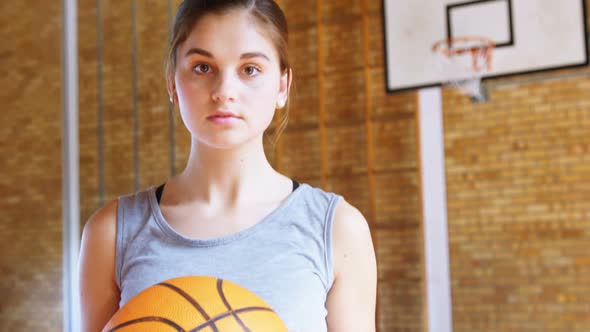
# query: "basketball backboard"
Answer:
x=530 y=36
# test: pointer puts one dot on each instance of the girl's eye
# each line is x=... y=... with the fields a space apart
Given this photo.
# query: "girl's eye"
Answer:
x=202 y=68
x=251 y=70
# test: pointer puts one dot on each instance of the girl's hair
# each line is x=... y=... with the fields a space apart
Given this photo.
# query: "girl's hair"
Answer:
x=268 y=15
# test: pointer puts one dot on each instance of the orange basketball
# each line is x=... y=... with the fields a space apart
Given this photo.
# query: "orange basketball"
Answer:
x=196 y=304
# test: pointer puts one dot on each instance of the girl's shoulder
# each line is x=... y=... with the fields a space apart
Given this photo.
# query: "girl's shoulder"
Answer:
x=103 y=221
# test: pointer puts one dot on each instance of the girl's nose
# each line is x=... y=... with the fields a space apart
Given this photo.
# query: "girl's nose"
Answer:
x=225 y=88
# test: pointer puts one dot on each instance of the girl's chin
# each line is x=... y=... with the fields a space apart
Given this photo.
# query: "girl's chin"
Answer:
x=226 y=142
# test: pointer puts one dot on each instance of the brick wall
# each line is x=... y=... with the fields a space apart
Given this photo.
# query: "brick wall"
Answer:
x=129 y=138
x=30 y=136
x=360 y=142
x=517 y=183
x=517 y=165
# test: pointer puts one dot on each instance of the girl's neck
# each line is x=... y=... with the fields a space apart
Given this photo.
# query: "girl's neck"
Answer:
x=227 y=176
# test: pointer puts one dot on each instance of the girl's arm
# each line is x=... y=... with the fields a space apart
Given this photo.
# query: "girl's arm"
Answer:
x=351 y=302
x=99 y=293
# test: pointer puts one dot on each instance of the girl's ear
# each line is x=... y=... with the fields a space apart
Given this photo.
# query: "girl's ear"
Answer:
x=171 y=85
x=284 y=88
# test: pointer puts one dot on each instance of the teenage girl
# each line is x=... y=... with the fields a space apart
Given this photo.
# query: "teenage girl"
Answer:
x=229 y=214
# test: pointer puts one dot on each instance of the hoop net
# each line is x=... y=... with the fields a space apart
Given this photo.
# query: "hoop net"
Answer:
x=463 y=61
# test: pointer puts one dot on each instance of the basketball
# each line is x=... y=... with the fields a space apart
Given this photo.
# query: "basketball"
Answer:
x=196 y=303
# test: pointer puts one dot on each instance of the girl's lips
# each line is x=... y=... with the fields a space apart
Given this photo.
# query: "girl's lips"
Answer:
x=223 y=119
x=222 y=114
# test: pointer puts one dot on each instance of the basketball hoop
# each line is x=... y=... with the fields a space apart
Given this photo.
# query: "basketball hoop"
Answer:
x=463 y=61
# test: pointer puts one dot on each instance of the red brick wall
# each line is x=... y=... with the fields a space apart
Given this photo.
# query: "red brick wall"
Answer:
x=359 y=141
x=122 y=51
x=369 y=148
x=517 y=185
x=30 y=136
x=517 y=166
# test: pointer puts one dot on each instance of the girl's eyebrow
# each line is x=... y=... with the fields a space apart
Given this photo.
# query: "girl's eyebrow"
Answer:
x=249 y=55
x=200 y=51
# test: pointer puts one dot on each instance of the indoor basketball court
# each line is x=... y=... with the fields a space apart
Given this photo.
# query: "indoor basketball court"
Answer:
x=476 y=66
x=459 y=129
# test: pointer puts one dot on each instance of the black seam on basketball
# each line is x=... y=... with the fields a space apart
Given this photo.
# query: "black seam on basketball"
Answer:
x=148 y=319
x=193 y=302
x=228 y=306
x=225 y=314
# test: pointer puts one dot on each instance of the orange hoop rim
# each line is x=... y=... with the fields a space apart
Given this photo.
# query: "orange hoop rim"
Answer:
x=444 y=46
x=482 y=47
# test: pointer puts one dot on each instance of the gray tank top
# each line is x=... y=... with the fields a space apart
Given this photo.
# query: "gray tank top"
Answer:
x=286 y=258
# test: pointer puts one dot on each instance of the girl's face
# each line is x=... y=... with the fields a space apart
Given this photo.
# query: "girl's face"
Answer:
x=227 y=66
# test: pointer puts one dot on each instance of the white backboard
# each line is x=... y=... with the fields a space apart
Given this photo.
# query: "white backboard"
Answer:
x=530 y=36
